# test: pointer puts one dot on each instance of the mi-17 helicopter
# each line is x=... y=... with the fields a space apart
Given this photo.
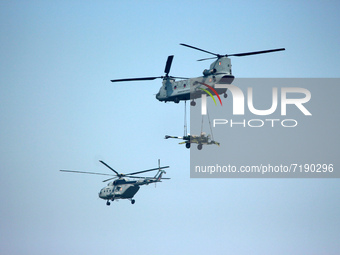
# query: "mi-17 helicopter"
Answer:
x=122 y=187
x=191 y=88
x=199 y=139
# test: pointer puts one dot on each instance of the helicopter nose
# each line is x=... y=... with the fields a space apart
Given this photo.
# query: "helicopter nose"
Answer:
x=157 y=95
x=100 y=194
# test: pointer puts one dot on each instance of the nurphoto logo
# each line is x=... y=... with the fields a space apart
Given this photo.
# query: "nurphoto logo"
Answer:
x=238 y=100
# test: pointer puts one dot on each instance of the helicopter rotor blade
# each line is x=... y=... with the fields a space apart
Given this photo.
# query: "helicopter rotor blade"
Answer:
x=142 y=177
x=148 y=78
x=136 y=79
x=137 y=177
x=254 y=52
x=186 y=45
x=146 y=178
x=110 y=179
x=231 y=55
x=175 y=77
x=81 y=172
x=166 y=71
x=206 y=59
x=168 y=65
x=144 y=171
x=109 y=167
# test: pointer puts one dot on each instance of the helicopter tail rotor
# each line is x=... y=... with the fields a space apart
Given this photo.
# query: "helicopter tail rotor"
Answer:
x=160 y=172
x=159 y=167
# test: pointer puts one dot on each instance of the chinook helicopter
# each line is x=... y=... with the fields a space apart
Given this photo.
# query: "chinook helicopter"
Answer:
x=122 y=187
x=199 y=139
x=191 y=88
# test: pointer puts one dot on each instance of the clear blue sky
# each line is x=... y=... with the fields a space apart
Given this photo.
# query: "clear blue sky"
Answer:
x=59 y=111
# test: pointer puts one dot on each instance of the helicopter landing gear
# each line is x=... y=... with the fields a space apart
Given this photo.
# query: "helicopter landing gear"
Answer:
x=225 y=95
x=108 y=203
x=132 y=201
x=199 y=147
x=187 y=145
x=192 y=103
x=176 y=100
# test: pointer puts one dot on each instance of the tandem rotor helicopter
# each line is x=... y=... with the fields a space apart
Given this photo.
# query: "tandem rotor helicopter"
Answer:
x=190 y=88
x=122 y=187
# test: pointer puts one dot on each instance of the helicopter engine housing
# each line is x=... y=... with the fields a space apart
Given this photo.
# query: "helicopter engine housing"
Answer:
x=207 y=72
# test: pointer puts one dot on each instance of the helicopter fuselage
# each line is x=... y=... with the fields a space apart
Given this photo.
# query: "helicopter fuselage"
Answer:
x=176 y=91
x=124 y=188
x=119 y=189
